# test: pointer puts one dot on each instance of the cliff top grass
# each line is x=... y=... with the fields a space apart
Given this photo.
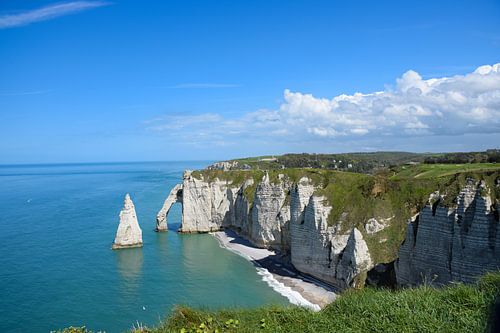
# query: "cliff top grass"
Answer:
x=423 y=171
x=238 y=177
x=454 y=308
x=417 y=171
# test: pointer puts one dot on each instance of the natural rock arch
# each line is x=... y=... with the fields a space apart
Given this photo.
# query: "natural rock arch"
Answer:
x=161 y=218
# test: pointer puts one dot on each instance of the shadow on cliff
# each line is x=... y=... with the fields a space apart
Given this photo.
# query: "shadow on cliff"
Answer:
x=279 y=264
x=494 y=317
x=382 y=276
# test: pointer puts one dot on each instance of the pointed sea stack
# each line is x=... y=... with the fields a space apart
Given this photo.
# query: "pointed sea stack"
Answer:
x=129 y=234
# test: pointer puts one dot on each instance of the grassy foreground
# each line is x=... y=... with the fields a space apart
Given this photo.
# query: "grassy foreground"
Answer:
x=455 y=308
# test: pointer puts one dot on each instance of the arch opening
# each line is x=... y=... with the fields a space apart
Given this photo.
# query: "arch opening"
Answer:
x=175 y=196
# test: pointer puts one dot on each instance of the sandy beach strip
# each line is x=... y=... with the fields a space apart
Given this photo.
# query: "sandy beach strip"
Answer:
x=299 y=289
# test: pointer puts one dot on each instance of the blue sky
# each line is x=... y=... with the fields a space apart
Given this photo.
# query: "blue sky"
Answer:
x=84 y=81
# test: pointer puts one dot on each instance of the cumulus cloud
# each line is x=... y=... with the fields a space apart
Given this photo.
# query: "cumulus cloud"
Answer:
x=47 y=13
x=413 y=107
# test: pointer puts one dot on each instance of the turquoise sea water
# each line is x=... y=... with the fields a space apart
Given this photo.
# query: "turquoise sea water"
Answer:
x=57 y=224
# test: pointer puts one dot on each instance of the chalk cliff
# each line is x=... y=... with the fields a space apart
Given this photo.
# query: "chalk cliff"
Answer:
x=269 y=216
x=205 y=204
x=129 y=234
x=458 y=243
x=320 y=250
x=340 y=236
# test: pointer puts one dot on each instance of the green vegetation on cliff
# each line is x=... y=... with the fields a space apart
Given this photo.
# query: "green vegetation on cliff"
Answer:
x=392 y=196
x=422 y=171
x=455 y=308
x=357 y=162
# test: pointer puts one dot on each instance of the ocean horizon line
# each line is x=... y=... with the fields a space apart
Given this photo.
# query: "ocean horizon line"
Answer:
x=2 y=165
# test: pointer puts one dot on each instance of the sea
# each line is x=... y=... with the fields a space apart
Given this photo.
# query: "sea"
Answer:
x=57 y=269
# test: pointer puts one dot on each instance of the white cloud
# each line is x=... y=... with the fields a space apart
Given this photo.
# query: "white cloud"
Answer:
x=47 y=13
x=178 y=122
x=414 y=107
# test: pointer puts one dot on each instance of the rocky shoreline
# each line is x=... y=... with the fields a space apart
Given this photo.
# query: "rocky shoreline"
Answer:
x=280 y=275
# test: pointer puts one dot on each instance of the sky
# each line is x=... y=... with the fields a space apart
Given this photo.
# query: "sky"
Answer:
x=104 y=81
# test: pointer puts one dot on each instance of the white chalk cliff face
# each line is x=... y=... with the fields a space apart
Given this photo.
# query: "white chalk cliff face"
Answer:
x=267 y=227
x=451 y=244
x=321 y=250
x=129 y=234
x=442 y=244
x=206 y=205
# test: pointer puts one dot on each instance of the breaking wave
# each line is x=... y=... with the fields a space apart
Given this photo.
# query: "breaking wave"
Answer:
x=293 y=296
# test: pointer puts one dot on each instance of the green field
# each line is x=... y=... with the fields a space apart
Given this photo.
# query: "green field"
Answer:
x=439 y=170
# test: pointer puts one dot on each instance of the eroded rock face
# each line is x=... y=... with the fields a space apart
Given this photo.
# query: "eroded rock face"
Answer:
x=241 y=218
x=311 y=239
x=174 y=196
x=205 y=204
x=355 y=260
x=212 y=205
x=267 y=212
x=456 y=244
x=129 y=234
x=322 y=251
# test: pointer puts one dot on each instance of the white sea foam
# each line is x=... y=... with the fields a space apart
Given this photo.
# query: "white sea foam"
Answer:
x=293 y=296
